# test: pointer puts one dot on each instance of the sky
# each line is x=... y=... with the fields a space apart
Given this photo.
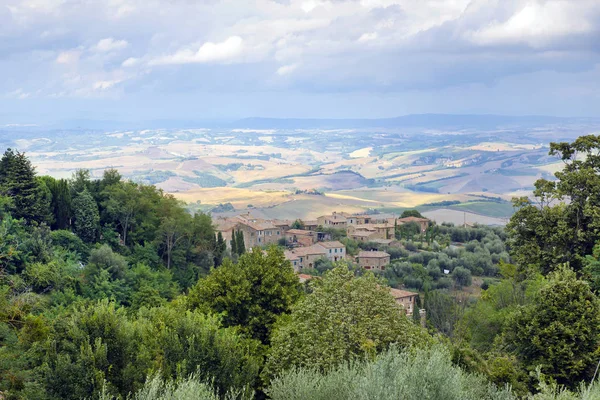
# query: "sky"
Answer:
x=209 y=59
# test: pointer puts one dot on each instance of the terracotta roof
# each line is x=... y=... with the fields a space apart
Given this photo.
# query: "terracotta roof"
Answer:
x=281 y=222
x=310 y=250
x=304 y=277
x=259 y=225
x=300 y=232
x=310 y=222
x=399 y=293
x=336 y=217
x=290 y=255
x=331 y=245
x=372 y=254
x=223 y=225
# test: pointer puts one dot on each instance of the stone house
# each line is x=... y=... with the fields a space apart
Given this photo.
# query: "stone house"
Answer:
x=405 y=298
x=301 y=237
x=378 y=260
x=335 y=220
x=335 y=251
x=378 y=231
x=422 y=222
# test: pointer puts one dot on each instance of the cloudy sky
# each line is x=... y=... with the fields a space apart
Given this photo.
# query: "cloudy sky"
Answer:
x=195 y=59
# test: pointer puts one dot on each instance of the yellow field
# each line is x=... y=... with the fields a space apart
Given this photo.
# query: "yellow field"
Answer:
x=239 y=198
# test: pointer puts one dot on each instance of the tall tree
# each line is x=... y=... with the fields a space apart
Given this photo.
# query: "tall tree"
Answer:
x=86 y=215
x=220 y=248
x=61 y=202
x=122 y=203
x=241 y=246
x=30 y=197
x=234 y=245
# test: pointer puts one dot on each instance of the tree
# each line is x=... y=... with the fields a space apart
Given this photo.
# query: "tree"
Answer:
x=61 y=202
x=87 y=218
x=462 y=276
x=220 y=248
x=297 y=224
x=251 y=293
x=241 y=246
x=122 y=203
x=30 y=198
x=80 y=181
x=411 y=213
x=345 y=317
x=233 y=242
x=563 y=224
x=559 y=332
x=172 y=230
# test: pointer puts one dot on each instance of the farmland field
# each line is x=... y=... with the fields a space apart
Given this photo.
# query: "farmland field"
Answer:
x=292 y=173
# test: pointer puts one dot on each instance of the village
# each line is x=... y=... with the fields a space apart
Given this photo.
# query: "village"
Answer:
x=308 y=241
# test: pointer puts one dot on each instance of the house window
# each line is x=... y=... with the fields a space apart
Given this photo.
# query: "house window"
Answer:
x=258 y=240
x=336 y=250
x=329 y=251
x=294 y=263
x=277 y=233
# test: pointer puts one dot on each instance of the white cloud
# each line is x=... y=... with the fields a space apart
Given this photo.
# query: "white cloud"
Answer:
x=110 y=44
x=367 y=37
x=534 y=24
x=286 y=69
x=105 y=85
x=223 y=52
x=18 y=94
x=309 y=5
x=68 y=57
x=130 y=62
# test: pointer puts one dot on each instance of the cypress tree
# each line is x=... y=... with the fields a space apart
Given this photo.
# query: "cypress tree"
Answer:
x=219 y=249
x=241 y=247
x=234 y=247
x=86 y=215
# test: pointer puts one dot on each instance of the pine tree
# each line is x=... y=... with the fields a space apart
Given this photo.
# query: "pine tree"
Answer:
x=30 y=197
x=86 y=215
x=241 y=247
x=234 y=246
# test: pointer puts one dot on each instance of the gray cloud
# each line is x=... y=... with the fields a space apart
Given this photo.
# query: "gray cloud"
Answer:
x=119 y=49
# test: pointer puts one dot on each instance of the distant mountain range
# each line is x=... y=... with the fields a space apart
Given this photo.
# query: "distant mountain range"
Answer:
x=434 y=121
x=423 y=121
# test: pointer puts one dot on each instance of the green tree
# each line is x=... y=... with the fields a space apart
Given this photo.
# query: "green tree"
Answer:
x=345 y=317
x=251 y=293
x=241 y=246
x=30 y=198
x=220 y=248
x=233 y=242
x=559 y=331
x=411 y=213
x=61 y=202
x=87 y=218
x=123 y=202
x=563 y=224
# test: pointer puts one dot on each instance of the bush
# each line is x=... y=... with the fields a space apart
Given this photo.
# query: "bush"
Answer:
x=411 y=375
x=462 y=276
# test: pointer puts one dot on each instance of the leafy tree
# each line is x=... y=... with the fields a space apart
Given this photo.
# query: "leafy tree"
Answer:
x=80 y=181
x=343 y=318
x=251 y=293
x=559 y=331
x=462 y=276
x=563 y=225
x=122 y=204
x=297 y=224
x=87 y=217
x=411 y=213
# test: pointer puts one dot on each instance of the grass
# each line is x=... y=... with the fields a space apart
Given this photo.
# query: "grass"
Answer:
x=489 y=208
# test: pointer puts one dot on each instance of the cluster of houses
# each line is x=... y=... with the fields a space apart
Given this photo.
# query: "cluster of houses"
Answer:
x=308 y=245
